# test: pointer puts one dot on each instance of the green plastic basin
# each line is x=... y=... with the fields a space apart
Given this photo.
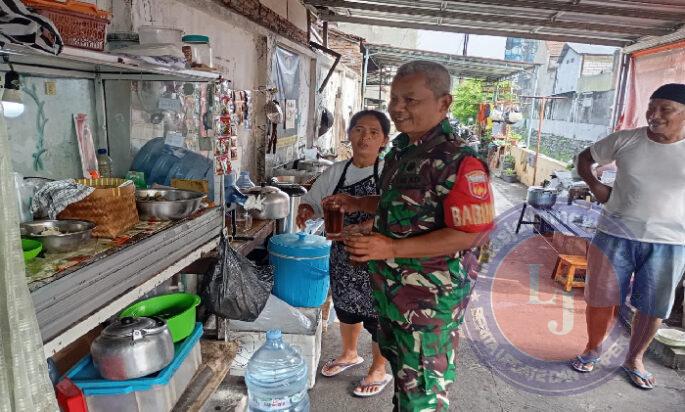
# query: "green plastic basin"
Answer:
x=31 y=249
x=178 y=309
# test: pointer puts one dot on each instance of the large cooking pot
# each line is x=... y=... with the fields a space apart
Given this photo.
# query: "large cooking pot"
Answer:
x=540 y=197
x=131 y=348
x=275 y=204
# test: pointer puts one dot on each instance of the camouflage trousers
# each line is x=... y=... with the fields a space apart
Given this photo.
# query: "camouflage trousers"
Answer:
x=423 y=365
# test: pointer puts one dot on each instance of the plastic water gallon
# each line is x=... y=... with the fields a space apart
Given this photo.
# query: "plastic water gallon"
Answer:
x=300 y=268
x=276 y=377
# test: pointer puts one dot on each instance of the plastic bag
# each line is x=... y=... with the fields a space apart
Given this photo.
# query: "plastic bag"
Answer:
x=277 y=314
x=237 y=288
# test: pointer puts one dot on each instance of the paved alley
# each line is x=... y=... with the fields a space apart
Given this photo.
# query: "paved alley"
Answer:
x=487 y=386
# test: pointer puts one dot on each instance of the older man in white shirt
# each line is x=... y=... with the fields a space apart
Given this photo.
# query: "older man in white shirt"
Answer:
x=641 y=233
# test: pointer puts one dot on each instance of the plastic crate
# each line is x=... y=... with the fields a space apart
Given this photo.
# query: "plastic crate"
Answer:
x=80 y=24
x=157 y=392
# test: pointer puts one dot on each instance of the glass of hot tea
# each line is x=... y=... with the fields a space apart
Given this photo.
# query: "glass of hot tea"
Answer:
x=333 y=218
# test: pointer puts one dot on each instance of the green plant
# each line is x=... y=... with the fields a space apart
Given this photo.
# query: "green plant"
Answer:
x=509 y=172
x=467 y=95
x=509 y=159
x=515 y=136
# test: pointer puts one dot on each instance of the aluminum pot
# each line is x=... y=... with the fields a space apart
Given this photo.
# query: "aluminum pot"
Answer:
x=540 y=197
x=275 y=204
x=167 y=204
x=132 y=348
x=72 y=234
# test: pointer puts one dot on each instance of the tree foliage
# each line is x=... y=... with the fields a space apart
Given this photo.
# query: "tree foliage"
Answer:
x=467 y=96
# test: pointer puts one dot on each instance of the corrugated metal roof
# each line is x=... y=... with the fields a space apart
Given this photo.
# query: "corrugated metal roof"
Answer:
x=606 y=22
x=386 y=59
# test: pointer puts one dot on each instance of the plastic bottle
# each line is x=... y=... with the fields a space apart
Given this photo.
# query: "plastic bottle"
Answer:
x=104 y=163
x=244 y=181
x=276 y=377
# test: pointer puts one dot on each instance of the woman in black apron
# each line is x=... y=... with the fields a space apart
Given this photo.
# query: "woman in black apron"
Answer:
x=350 y=283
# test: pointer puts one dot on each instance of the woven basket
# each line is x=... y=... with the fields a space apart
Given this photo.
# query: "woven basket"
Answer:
x=111 y=208
x=80 y=24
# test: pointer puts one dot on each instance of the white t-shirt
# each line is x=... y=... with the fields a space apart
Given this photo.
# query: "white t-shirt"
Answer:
x=325 y=184
x=647 y=202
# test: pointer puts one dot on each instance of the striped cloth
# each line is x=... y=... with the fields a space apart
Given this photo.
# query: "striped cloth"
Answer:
x=54 y=197
x=20 y=26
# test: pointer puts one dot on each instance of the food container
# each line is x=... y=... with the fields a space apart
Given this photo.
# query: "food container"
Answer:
x=197 y=51
x=157 y=392
x=72 y=234
x=120 y=40
x=178 y=309
x=111 y=206
x=167 y=204
x=80 y=24
x=274 y=202
x=31 y=249
x=157 y=35
x=301 y=263
x=131 y=348
x=540 y=197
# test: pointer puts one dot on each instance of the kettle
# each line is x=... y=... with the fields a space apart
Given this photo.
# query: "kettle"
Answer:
x=131 y=348
x=267 y=202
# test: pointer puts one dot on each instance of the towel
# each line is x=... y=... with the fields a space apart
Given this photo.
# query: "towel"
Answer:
x=20 y=26
x=54 y=197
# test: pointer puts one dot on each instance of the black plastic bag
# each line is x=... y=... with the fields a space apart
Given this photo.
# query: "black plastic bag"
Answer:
x=237 y=288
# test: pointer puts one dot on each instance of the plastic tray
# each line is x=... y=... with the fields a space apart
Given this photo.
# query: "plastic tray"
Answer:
x=157 y=392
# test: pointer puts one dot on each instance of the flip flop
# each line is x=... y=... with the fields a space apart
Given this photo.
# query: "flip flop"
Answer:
x=380 y=385
x=340 y=366
x=633 y=374
x=580 y=364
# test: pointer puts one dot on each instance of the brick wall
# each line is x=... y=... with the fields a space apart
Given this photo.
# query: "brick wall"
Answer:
x=350 y=50
x=264 y=16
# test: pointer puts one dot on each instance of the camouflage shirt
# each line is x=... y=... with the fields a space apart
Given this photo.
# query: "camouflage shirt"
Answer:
x=422 y=293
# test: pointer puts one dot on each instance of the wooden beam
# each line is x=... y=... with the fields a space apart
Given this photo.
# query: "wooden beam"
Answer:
x=488 y=32
x=526 y=23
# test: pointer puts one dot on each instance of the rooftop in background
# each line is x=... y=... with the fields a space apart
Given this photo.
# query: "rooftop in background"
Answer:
x=607 y=22
x=389 y=58
x=591 y=49
x=555 y=48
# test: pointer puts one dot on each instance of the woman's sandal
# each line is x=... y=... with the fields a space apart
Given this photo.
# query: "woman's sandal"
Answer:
x=378 y=387
x=339 y=366
x=584 y=365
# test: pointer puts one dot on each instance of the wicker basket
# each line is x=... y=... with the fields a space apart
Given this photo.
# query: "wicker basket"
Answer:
x=80 y=24
x=111 y=208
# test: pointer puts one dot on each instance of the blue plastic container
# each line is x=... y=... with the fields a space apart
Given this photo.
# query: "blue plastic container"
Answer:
x=156 y=392
x=300 y=263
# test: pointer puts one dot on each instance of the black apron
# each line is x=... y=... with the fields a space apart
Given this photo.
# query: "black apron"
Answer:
x=350 y=284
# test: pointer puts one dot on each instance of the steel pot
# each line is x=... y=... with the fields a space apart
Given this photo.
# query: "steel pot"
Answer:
x=540 y=197
x=167 y=204
x=131 y=348
x=275 y=204
x=72 y=234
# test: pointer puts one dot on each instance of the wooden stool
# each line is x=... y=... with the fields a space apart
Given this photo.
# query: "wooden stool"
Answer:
x=574 y=262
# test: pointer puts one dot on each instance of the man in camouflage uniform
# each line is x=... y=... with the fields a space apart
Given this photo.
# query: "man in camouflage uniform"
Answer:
x=435 y=203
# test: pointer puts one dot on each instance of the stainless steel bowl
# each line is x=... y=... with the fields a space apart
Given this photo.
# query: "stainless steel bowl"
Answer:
x=167 y=204
x=73 y=234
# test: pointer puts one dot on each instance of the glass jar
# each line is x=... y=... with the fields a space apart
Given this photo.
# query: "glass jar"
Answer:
x=197 y=51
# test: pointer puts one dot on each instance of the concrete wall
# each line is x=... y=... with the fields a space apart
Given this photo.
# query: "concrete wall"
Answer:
x=405 y=38
x=60 y=158
x=525 y=166
x=568 y=72
x=574 y=130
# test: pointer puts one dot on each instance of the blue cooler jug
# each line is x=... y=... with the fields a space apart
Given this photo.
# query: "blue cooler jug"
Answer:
x=300 y=268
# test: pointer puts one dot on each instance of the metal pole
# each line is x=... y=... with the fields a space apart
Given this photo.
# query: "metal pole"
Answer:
x=365 y=75
x=543 y=102
x=532 y=108
x=325 y=34
x=380 y=83
x=620 y=91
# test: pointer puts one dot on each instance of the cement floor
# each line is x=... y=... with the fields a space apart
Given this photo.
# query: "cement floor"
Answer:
x=480 y=385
